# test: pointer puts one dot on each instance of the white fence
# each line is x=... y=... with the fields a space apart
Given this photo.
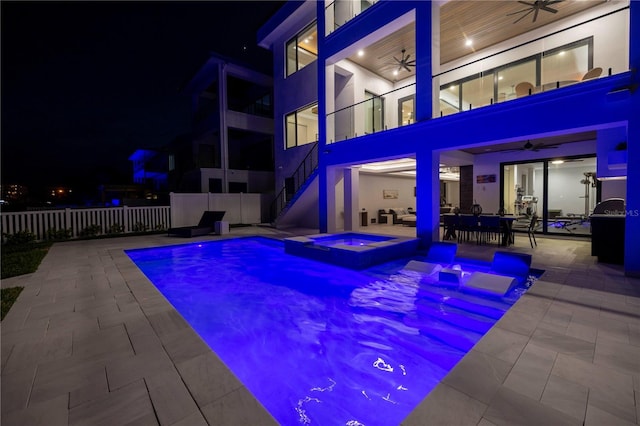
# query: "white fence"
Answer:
x=186 y=209
x=77 y=221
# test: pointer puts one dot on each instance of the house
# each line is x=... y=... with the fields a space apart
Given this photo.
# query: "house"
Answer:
x=230 y=147
x=525 y=108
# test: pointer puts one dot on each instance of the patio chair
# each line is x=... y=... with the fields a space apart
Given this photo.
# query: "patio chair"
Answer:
x=204 y=227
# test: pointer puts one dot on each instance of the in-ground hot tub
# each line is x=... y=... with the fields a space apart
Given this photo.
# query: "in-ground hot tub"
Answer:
x=351 y=249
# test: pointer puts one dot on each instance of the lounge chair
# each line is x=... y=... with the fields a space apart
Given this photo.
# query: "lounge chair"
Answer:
x=439 y=255
x=204 y=227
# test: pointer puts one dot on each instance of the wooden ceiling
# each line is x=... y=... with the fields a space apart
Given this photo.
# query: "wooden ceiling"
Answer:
x=487 y=23
x=484 y=21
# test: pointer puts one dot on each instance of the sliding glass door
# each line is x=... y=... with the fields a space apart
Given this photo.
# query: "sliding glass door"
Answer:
x=562 y=193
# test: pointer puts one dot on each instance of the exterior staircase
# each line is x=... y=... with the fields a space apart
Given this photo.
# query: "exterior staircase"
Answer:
x=295 y=185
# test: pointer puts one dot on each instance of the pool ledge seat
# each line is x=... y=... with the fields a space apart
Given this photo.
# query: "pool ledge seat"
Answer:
x=482 y=282
x=427 y=268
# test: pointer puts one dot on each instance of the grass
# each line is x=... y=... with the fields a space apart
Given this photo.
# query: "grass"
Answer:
x=17 y=260
x=8 y=296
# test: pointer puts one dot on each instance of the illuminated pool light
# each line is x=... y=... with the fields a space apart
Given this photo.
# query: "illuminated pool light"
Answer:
x=318 y=343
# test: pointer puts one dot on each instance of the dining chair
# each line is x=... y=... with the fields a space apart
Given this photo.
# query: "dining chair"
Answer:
x=524 y=89
x=468 y=227
x=489 y=228
x=532 y=229
x=592 y=73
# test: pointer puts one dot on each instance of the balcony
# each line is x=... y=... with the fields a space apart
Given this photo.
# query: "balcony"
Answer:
x=339 y=12
x=377 y=113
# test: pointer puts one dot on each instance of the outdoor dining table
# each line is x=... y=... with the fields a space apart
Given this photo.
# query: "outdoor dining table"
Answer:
x=451 y=225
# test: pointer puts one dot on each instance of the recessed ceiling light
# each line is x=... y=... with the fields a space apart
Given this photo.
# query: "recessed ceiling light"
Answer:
x=395 y=72
x=500 y=78
x=361 y=53
x=557 y=162
x=469 y=42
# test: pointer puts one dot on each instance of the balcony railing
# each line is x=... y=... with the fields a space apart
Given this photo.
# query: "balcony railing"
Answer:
x=372 y=115
x=339 y=12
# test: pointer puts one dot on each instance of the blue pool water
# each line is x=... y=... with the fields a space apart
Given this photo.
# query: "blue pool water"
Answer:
x=317 y=343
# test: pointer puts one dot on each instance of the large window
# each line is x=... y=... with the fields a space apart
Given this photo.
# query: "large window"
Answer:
x=302 y=49
x=545 y=71
x=302 y=126
x=406 y=110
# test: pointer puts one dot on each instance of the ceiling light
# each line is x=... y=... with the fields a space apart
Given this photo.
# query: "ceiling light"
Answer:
x=557 y=162
x=468 y=43
x=395 y=72
x=360 y=53
x=500 y=78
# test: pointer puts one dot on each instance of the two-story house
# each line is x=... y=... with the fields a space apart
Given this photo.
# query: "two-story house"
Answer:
x=513 y=106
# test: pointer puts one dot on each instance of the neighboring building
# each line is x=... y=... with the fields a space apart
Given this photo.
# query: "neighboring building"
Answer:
x=230 y=148
x=14 y=193
x=150 y=169
x=386 y=95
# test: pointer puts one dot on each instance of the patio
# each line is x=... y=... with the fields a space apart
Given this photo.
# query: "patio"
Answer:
x=91 y=341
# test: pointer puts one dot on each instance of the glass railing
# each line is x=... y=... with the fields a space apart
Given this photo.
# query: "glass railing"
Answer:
x=378 y=113
x=566 y=57
x=339 y=12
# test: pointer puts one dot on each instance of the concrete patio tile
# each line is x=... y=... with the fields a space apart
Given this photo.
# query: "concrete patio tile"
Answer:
x=124 y=371
x=634 y=334
x=519 y=322
x=49 y=309
x=239 y=407
x=510 y=408
x=619 y=356
x=565 y=396
x=207 y=378
x=84 y=322
x=194 y=419
x=564 y=344
x=16 y=388
x=598 y=417
x=502 y=344
x=128 y=405
x=51 y=412
x=485 y=422
x=184 y=345
x=112 y=319
x=609 y=390
x=16 y=333
x=582 y=332
x=102 y=345
x=63 y=376
x=170 y=397
x=97 y=389
x=28 y=355
x=446 y=406
x=478 y=375
x=529 y=375
x=544 y=288
x=167 y=322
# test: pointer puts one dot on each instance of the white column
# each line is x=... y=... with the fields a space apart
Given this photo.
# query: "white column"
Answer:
x=331 y=200
x=351 y=199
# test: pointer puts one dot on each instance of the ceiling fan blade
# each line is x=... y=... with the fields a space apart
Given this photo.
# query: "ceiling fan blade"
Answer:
x=407 y=68
x=397 y=60
x=522 y=17
x=519 y=11
x=535 y=14
x=549 y=3
x=407 y=58
x=548 y=9
x=527 y=3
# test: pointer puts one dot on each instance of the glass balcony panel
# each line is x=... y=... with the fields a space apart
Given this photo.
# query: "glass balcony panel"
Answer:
x=510 y=77
x=339 y=12
x=291 y=130
x=477 y=92
x=564 y=67
x=450 y=99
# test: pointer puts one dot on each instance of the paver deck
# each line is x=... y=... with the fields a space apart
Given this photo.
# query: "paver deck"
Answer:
x=91 y=341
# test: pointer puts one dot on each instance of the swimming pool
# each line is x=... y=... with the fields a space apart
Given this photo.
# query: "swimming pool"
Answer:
x=318 y=343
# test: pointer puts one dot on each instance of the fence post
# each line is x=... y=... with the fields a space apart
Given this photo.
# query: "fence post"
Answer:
x=125 y=219
x=67 y=222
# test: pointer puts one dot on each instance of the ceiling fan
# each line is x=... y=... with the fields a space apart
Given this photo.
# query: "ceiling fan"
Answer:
x=528 y=146
x=405 y=61
x=535 y=7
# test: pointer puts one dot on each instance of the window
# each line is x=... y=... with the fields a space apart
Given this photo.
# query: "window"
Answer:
x=302 y=49
x=406 y=110
x=374 y=113
x=302 y=126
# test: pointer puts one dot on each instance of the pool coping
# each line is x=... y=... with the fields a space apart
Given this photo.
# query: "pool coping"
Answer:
x=89 y=309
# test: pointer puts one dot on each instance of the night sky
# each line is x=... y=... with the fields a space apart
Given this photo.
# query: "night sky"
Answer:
x=85 y=84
